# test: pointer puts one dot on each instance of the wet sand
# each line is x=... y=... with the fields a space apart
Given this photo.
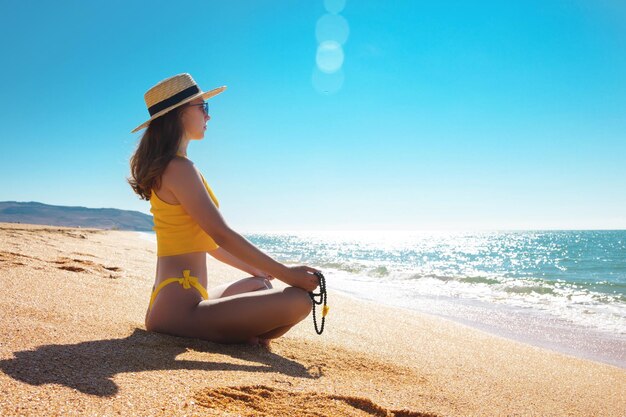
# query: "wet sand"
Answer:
x=72 y=303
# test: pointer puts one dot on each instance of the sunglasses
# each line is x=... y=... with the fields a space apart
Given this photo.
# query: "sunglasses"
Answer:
x=205 y=107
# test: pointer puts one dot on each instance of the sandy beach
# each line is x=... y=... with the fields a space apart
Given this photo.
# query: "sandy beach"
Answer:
x=72 y=304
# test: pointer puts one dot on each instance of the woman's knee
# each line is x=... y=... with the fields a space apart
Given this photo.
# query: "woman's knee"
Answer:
x=240 y=287
x=253 y=284
x=263 y=283
x=299 y=302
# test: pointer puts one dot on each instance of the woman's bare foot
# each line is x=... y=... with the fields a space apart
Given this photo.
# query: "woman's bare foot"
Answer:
x=266 y=343
x=257 y=341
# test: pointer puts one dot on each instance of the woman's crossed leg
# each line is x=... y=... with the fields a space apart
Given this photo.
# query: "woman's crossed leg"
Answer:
x=240 y=318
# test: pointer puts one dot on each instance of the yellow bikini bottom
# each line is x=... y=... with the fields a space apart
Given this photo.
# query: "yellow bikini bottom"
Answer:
x=186 y=281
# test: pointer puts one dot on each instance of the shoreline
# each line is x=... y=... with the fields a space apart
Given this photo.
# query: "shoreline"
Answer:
x=74 y=343
x=530 y=327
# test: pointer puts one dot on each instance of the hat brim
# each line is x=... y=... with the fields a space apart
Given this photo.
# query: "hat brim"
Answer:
x=205 y=96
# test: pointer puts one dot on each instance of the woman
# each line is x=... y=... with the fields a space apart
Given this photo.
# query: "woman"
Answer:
x=188 y=225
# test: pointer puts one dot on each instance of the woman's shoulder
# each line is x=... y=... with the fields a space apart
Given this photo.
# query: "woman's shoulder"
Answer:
x=179 y=164
x=179 y=170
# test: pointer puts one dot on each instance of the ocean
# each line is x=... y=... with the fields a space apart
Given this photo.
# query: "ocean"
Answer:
x=561 y=290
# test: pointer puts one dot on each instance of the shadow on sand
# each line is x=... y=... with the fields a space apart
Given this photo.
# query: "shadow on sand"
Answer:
x=90 y=366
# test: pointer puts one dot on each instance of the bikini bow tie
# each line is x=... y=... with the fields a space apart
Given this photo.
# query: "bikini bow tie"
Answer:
x=187 y=280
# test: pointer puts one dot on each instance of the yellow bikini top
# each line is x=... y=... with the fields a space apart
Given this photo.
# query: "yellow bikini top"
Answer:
x=176 y=231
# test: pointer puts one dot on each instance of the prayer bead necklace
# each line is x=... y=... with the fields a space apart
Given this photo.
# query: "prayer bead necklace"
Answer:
x=322 y=299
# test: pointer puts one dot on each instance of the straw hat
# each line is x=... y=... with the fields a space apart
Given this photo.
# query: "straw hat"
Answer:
x=171 y=93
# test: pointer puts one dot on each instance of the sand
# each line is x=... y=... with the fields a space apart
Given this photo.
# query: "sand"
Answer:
x=72 y=303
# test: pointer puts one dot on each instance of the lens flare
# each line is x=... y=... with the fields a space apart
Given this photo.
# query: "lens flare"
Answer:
x=332 y=27
x=329 y=57
x=334 y=6
x=331 y=31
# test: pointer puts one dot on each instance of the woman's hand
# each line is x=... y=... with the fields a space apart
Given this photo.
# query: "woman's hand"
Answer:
x=302 y=277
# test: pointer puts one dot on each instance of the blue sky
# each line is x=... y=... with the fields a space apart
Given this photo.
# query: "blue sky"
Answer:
x=450 y=115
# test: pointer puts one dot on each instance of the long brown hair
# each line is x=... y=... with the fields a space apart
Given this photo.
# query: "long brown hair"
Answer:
x=156 y=149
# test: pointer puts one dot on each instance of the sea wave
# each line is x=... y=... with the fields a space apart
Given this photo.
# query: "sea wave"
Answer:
x=576 y=275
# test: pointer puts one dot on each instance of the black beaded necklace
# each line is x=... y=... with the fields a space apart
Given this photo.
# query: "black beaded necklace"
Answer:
x=323 y=295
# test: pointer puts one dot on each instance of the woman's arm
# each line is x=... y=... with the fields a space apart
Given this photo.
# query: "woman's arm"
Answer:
x=224 y=256
x=182 y=179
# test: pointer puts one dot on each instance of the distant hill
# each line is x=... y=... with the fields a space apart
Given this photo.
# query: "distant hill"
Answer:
x=104 y=218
